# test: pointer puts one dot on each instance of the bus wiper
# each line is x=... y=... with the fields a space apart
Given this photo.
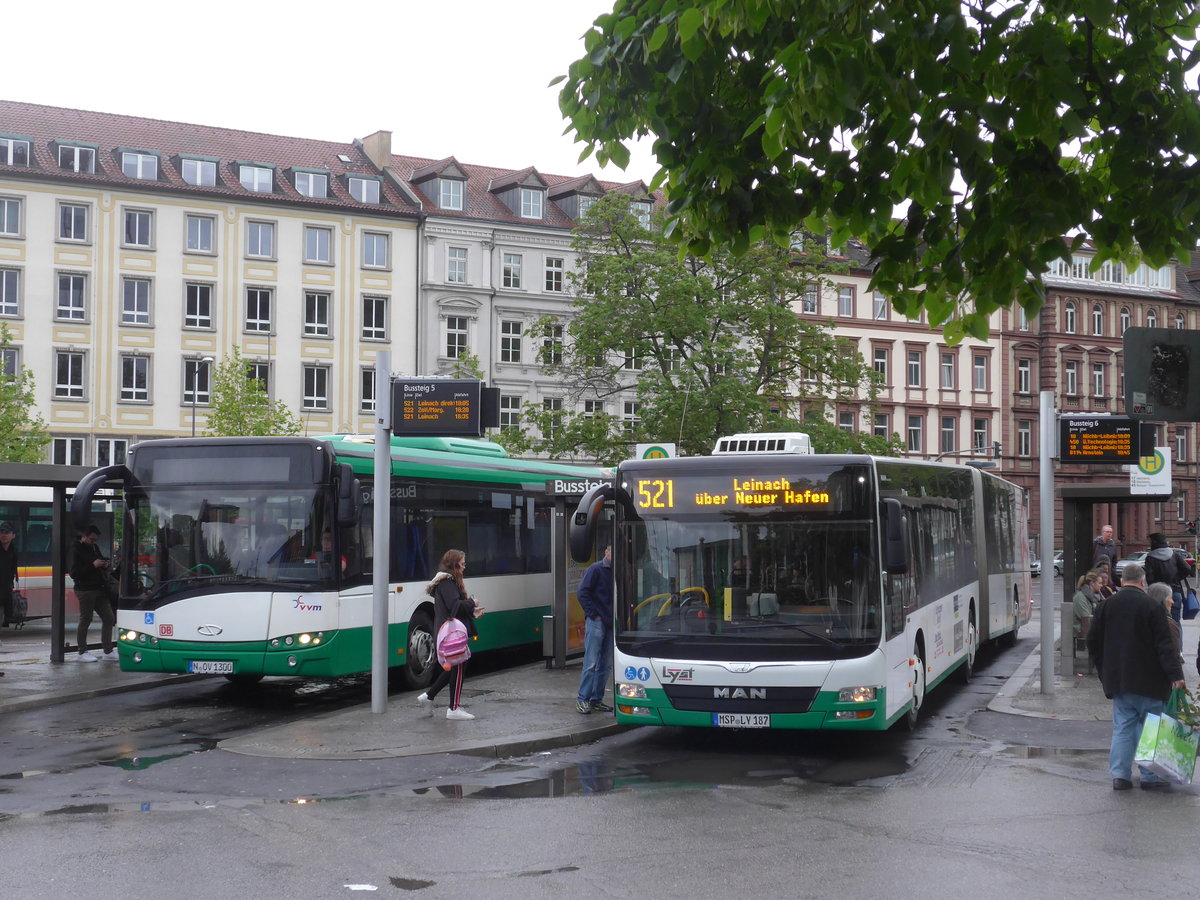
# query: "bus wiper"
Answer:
x=790 y=625
x=190 y=579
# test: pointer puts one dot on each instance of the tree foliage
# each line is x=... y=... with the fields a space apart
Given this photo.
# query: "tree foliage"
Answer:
x=996 y=127
x=23 y=432
x=241 y=406
x=709 y=346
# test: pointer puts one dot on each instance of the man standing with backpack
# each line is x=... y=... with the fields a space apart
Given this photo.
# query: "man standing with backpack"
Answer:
x=595 y=596
x=1164 y=565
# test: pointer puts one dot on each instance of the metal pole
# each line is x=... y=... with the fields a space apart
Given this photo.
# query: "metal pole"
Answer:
x=382 y=499
x=1046 y=510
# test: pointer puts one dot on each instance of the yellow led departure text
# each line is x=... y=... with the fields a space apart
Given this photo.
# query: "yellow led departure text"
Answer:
x=755 y=492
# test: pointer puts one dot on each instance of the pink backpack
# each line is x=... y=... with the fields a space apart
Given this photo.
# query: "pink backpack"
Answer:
x=453 y=644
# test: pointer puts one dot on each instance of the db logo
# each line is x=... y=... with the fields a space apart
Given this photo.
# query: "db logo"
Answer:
x=166 y=630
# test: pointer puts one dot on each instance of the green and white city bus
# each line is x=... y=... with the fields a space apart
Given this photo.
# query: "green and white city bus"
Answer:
x=756 y=588
x=253 y=556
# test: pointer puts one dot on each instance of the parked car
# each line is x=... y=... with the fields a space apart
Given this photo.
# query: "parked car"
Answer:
x=1036 y=565
x=1120 y=564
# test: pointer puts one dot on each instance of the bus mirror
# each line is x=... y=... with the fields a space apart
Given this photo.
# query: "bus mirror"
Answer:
x=895 y=538
x=85 y=491
x=582 y=530
x=349 y=505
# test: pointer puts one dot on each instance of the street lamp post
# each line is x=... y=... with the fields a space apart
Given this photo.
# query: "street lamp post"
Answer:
x=196 y=387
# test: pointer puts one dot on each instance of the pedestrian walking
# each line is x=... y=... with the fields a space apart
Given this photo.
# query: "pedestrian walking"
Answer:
x=1130 y=641
x=90 y=573
x=1164 y=565
x=1104 y=547
x=595 y=596
x=451 y=601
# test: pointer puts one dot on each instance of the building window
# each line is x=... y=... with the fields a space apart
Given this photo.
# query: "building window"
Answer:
x=364 y=190
x=510 y=412
x=197 y=306
x=947 y=370
x=72 y=288
x=633 y=360
x=979 y=435
x=456 y=265
x=1022 y=319
x=1069 y=317
x=554 y=274
x=72 y=222
x=366 y=390
x=256 y=178
x=511 y=270
x=1151 y=319
x=375 y=250
x=881 y=362
x=879 y=306
x=916 y=427
x=1179 y=320
x=552 y=345
x=1181 y=442
x=10 y=360
x=585 y=203
x=593 y=409
x=316 y=388
x=200 y=234
x=199 y=172
x=68 y=374
x=809 y=303
x=260 y=239
x=846 y=421
x=553 y=408
x=1025 y=437
x=135 y=301
x=450 y=194
x=915 y=378
x=531 y=203
x=10 y=216
x=143 y=166
x=641 y=212
x=139 y=228
x=14 y=152
x=316 y=314
x=318 y=243
x=111 y=451
x=631 y=416
x=68 y=451
x=1024 y=369
x=510 y=341
x=135 y=378
x=1098 y=380
x=375 y=318
x=312 y=184
x=1071 y=385
x=949 y=426
x=882 y=425
x=1097 y=319
x=10 y=292
x=258 y=309
x=77 y=159
x=260 y=372
x=845 y=300
x=979 y=373
x=197 y=381
x=1126 y=319
x=456 y=336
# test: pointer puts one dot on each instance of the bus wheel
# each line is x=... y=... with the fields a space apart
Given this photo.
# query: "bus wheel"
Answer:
x=420 y=659
x=914 y=712
x=243 y=681
x=967 y=670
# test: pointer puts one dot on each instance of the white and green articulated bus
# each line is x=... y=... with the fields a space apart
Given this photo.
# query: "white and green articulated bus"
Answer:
x=763 y=588
x=248 y=557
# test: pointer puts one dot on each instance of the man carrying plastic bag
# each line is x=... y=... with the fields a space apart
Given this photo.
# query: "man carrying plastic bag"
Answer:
x=1139 y=664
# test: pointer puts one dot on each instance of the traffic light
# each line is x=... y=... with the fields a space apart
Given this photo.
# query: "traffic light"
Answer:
x=1191 y=527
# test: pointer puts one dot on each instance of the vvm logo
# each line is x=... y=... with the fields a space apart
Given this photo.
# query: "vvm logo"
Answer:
x=1151 y=465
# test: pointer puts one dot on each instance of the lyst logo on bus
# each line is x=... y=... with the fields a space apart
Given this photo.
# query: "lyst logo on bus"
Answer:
x=673 y=676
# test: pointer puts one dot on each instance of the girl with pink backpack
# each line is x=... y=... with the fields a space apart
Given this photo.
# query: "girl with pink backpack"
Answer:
x=454 y=614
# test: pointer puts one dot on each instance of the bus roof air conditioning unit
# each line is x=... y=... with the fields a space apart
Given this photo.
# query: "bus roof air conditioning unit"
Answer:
x=769 y=442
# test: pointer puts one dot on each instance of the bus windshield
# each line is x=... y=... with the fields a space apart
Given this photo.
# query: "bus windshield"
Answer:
x=190 y=536
x=783 y=587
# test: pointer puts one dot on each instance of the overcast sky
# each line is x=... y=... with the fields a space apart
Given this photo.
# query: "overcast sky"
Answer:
x=466 y=78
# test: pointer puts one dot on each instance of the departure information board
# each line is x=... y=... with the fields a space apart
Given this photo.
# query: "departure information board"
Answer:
x=436 y=407
x=1099 y=439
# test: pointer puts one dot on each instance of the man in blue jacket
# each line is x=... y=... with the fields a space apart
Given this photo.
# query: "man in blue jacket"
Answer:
x=595 y=596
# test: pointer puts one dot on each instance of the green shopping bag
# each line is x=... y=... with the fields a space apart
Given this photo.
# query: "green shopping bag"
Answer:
x=1168 y=747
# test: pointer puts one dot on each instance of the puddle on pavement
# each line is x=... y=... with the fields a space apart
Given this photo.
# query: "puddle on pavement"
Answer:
x=139 y=762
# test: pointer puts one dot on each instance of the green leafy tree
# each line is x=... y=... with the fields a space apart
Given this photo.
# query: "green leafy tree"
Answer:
x=709 y=346
x=23 y=432
x=996 y=128
x=241 y=405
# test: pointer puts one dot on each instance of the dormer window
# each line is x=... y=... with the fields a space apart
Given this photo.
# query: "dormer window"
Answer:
x=312 y=184
x=641 y=209
x=14 y=151
x=585 y=203
x=199 y=172
x=364 y=190
x=450 y=193
x=256 y=178
x=143 y=166
x=531 y=203
x=77 y=159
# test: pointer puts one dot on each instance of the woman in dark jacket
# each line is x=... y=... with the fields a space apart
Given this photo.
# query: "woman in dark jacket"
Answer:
x=451 y=601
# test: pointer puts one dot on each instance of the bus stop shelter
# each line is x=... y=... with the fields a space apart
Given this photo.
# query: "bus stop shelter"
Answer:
x=1078 y=532
x=60 y=480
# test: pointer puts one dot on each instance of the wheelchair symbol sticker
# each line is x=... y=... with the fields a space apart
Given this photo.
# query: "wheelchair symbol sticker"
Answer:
x=149 y=618
x=636 y=674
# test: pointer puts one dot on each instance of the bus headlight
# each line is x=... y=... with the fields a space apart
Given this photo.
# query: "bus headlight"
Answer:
x=631 y=691
x=861 y=694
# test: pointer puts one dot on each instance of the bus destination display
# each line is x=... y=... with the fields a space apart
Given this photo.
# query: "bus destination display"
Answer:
x=436 y=407
x=693 y=494
x=1098 y=439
